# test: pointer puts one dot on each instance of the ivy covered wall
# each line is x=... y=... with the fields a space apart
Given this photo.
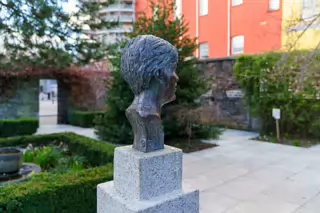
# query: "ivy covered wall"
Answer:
x=20 y=100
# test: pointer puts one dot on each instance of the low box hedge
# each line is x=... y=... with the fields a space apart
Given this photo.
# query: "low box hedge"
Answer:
x=82 y=119
x=97 y=152
x=56 y=193
x=72 y=192
x=25 y=126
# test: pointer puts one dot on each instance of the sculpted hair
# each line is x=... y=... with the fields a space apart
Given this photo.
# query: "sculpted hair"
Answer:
x=143 y=58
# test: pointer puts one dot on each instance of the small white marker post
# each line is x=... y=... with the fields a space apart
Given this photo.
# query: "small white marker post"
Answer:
x=276 y=114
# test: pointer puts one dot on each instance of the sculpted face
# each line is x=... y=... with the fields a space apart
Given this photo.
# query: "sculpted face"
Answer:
x=169 y=84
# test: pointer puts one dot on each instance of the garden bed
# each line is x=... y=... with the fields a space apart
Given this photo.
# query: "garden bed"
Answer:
x=56 y=158
x=73 y=189
x=292 y=141
x=194 y=146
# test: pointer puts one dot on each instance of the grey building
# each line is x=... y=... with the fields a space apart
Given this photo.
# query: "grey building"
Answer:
x=122 y=10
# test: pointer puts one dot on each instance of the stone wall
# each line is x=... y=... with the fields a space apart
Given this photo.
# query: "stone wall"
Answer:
x=226 y=106
x=21 y=101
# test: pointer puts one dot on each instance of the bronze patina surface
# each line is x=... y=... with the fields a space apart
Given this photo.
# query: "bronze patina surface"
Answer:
x=148 y=66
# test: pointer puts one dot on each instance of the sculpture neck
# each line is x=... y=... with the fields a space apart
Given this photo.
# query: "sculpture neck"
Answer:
x=144 y=117
x=149 y=100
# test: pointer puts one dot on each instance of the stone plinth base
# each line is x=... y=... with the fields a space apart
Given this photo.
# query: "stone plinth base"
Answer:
x=109 y=201
x=147 y=183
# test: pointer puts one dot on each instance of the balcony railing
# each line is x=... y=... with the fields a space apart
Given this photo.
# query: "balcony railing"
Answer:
x=121 y=18
x=113 y=39
x=118 y=8
x=119 y=30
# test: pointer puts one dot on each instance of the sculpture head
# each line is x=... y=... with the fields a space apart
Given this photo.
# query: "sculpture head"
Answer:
x=150 y=62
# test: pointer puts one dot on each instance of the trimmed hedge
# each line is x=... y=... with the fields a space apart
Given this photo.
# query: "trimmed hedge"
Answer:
x=25 y=126
x=72 y=192
x=56 y=193
x=98 y=153
x=82 y=119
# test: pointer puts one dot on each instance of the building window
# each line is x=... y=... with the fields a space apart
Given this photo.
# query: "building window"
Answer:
x=178 y=8
x=238 y=45
x=274 y=5
x=309 y=4
x=155 y=12
x=204 y=50
x=309 y=9
x=204 y=4
x=237 y=2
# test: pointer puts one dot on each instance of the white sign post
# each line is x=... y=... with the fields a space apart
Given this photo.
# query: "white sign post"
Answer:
x=276 y=113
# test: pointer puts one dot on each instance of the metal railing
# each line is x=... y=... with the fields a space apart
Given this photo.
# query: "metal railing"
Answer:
x=118 y=7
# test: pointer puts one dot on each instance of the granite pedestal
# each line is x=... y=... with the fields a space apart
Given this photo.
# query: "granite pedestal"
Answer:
x=147 y=183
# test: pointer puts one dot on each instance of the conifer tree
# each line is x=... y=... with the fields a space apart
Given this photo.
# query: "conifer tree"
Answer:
x=113 y=125
x=41 y=33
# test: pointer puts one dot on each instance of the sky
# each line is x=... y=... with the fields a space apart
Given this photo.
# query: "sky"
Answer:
x=70 y=6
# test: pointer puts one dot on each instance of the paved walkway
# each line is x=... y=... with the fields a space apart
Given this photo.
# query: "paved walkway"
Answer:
x=245 y=176
x=49 y=129
x=48 y=112
x=47 y=108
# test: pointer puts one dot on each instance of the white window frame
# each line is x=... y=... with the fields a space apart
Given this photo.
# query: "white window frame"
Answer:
x=178 y=12
x=238 y=44
x=237 y=2
x=155 y=10
x=274 y=5
x=308 y=4
x=310 y=9
x=204 y=50
x=204 y=7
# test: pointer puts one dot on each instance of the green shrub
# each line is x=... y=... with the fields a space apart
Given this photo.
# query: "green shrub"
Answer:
x=56 y=193
x=198 y=131
x=82 y=119
x=72 y=192
x=97 y=153
x=25 y=126
x=273 y=80
x=206 y=131
x=297 y=143
x=46 y=157
x=54 y=159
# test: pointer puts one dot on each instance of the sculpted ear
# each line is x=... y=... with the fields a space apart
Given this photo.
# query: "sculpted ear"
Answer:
x=158 y=74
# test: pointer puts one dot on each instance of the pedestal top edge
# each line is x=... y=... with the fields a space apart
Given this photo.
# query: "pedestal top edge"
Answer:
x=130 y=150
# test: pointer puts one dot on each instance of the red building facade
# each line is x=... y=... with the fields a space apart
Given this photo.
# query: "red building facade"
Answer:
x=231 y=27
x=260 y=23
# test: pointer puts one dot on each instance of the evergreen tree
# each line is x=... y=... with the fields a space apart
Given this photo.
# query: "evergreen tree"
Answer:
x=113 y=126
x=41 y=33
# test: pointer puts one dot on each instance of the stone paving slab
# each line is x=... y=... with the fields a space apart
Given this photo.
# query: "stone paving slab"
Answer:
x=246 y=176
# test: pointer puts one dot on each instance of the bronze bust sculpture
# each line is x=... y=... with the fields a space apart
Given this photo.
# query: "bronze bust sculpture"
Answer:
x=148 y=65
